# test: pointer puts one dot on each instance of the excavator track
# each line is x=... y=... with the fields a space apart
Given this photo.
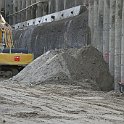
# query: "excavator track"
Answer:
x=12 y=63
x=9 y=71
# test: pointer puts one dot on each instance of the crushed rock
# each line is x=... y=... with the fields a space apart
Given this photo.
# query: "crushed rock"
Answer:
x=72 y=65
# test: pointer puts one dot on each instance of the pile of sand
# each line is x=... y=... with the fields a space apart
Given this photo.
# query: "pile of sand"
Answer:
x=65 y=66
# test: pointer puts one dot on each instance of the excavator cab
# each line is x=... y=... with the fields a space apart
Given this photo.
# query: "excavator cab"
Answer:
x=12 y=60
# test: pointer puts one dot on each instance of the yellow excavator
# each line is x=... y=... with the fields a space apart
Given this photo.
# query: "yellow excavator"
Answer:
x=12 y=60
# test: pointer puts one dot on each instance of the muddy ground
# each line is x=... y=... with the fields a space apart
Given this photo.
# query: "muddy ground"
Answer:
x=58 y=104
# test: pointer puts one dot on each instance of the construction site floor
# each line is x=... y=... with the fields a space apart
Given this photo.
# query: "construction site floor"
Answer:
x=59 y=104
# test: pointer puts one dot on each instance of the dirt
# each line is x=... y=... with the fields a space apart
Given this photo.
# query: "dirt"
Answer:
x=59 y=104
x=72 y=65
x=54 y=89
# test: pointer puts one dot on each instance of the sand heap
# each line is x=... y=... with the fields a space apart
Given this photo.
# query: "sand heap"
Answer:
x=63 y=65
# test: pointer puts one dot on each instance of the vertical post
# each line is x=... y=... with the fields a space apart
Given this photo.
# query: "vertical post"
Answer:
x=16 y=9
x=100 y=25
x=44 y=7
x=33 y=9
x=28 y=11
x=112 y=36
x=11 y=11
x=118 y=29
x=91 y=19
x=14 y=17
x=122 y=48
x=4 y=5
x=23 y=13
x=1 y=4
x=85 y=2
x=75 y=2
x=106 y=30
x=49 y=11
x=39 y=10
x=64 y=4
x=19 y=8
x=95 y=35
x=57 y=5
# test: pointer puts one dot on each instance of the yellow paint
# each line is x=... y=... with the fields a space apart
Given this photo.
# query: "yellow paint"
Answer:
x=9 y=59
x=0 y=36
x=19 y=59
x=7 y=37
x=6 y=29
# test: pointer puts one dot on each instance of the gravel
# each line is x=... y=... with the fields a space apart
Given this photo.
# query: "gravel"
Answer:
x=72 y=65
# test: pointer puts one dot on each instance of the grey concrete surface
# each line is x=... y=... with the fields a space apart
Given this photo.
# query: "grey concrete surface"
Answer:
x=40 y=9
x=68 y=33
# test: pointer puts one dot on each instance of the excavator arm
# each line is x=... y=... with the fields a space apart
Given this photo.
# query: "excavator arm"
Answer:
x=5 y=34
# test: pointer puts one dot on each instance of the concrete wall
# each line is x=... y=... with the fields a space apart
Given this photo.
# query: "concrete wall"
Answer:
x=108 y=31
x=2 y=5
x=37 y=10
x=67 y=33
x=106 y=22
